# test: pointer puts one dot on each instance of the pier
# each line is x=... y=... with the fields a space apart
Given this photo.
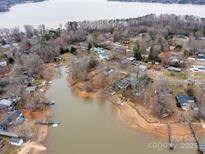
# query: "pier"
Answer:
x=201 y=147
x=171 y=145
x=49 y=123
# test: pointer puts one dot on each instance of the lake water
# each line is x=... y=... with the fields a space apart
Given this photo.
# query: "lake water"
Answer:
x=52 y=13
x=93 y=127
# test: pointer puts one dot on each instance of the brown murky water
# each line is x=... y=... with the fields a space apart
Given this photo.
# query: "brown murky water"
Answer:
x=92 y=127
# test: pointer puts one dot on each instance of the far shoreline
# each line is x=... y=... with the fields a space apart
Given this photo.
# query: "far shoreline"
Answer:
x=134 y=10
x=157 y=2
x=5 y=7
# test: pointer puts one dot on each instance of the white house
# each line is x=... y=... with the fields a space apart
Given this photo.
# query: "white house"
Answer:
x=3 y=63
x=5 y=102
x=198 y=68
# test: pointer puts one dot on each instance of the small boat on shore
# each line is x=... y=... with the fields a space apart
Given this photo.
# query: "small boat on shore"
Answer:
x=49 y=123
x=50 y=103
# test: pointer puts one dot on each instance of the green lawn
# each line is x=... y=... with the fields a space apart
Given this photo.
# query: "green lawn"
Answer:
x=199 y=76
x=178 y=75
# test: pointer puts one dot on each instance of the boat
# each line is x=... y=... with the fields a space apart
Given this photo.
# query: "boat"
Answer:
x=49 y=123
x=52 y=102
x=56 y=125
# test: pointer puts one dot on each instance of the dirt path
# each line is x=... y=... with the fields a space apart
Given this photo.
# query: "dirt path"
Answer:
x=32 y=148
x=36 y=147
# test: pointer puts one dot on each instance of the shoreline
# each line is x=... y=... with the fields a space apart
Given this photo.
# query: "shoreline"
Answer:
x=6 y=7
x=133 y=119
x=37 y=144
x=126 y=113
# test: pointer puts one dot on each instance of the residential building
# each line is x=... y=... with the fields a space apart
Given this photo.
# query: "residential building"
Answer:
x=103 y=55
x=186 y=102
x=14 y=117
x=123 y=84
x=200 y=57
x=6 y=103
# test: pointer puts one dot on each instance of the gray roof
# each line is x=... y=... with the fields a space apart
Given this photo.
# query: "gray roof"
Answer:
x=123 y=84
x=184 y=100
x=5 y=102
x=12 y=117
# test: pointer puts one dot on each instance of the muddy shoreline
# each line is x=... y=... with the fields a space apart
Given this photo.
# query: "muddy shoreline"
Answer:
x=126 y=113
x=133 y=119
x=37 y=143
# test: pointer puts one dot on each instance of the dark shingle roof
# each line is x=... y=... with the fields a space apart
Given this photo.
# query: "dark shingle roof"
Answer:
x=184 y=100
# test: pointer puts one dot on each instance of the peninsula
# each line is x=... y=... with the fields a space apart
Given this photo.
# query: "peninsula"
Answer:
x=6 y=4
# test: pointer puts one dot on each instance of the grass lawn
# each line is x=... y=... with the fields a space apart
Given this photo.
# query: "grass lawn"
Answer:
x=199 y=76
x=178 y=89
x=178 y=75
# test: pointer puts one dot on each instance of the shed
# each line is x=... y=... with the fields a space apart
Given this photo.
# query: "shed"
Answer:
x=108 y=71
x=3 y=63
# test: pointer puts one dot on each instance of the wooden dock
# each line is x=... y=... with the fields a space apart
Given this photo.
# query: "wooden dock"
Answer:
x=171 y=145
x=49 y=123
x=201 y=147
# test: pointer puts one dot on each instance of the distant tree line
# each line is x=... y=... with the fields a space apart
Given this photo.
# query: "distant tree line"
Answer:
x=165 y=1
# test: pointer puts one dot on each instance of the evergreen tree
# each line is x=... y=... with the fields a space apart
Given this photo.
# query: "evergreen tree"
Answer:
x=137 y=53
x=153 y=56
x=89 y=46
